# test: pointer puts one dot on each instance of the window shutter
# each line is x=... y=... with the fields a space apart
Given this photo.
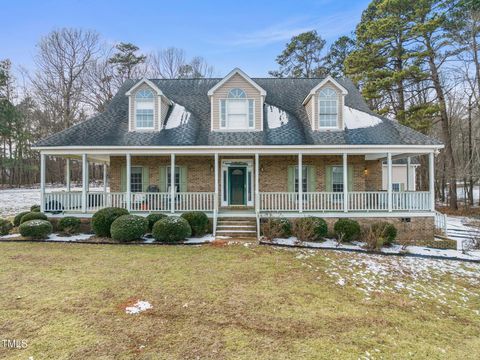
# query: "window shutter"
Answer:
x=311 y=179
x=328 y=178
x=145 y=178
x=291 y=178
x=251 y=112
x=350 y=170
x=183 y=178
x=123 y=178
x=162 y=174
x=223 y=114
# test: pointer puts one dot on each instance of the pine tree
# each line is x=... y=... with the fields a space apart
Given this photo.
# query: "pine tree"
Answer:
x=126 y=60
x=334 y=62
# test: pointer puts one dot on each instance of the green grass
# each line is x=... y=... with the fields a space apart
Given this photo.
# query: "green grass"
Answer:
x=241 y=302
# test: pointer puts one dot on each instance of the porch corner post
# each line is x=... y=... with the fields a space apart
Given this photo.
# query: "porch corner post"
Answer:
x=431 y=179
x=172 y=183
x=345 y=183
x=409 y=164
x=300 y=182
x=257 y=193
x=105 y=178
x=215 y=200
x=67 y=176
x=129 y=181
x=42 y=181
x=389 y=182
x=84 y=182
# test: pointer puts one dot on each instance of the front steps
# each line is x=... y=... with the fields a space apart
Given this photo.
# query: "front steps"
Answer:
x=237 y=227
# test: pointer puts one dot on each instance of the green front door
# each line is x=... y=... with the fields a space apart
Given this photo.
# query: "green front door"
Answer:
x=237 y=185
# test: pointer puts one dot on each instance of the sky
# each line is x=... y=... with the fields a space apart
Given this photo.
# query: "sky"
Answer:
x=228 y=34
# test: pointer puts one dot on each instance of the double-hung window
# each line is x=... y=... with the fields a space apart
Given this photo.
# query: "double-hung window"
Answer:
x=236 y=111
x=177 y=178
x=144 y=109
x=337 y=178
x=136 y=180
x=304 y=179
x=328 y=108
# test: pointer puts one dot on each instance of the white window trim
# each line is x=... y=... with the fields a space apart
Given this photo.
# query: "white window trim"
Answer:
x=167 y=177
x=226 y=128
x=141 y=177
x=226 y=163
x=339 y=104
x=304 y=174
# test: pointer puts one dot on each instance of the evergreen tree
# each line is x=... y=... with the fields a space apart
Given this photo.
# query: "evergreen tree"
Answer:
x=334 y=62
x=126 y=60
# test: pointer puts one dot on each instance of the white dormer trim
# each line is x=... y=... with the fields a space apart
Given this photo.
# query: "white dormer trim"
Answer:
x=242 y=74
x=140 y=83
x=323 y=83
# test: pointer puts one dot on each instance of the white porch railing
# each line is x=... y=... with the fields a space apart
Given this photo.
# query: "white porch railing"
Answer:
x=196 y=201
x=368 y=201
x=278 y=201
x=411 y=201
x=150 y=201
x=63 y=201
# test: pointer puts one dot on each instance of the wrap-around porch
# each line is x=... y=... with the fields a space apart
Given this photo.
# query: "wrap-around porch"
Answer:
x=257 y=184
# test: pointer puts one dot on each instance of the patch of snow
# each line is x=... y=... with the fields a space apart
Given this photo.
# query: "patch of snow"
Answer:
x=356 y=119
x=9 y=236
x=138 y=307
x=200 y=240
x=178 y=117
x=73 y=238
x=276 y=117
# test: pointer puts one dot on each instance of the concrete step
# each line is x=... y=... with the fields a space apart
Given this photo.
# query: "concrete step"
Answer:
x=223 y=226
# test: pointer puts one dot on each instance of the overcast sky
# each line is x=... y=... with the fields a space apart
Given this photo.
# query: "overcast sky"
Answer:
x=245 y=34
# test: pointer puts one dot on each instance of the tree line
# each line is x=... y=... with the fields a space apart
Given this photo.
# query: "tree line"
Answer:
x=416 y=61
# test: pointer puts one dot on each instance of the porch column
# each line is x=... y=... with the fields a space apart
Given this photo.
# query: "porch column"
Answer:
x=172 y=183
x=104 y=178
x=215 y=202
x=431 y=179
x=408 y=173
x=300 y=182
x=67 y=176
x=345 y=183
x=129 y=181
x=84 y=182
x=389 y=182
x=257 y=182
x=42 y=181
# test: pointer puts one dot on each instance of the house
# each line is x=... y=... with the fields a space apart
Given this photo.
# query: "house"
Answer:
x=404 y=175
x=244 y=148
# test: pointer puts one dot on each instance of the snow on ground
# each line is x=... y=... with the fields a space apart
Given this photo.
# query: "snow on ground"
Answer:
x=73 y=238
x=13 y=201
x=276 y=117
x=394 y=249
x=449 y=283
x=462 y=195
x=356 y=119
x=178 y=117
x=138 y=307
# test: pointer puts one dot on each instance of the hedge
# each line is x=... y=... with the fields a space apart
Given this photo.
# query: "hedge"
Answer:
x=198 y=221
x=69 y=225
x=33 y=216
x=102 y=220
x=128 y=228
x=171 y=229
x=347 y=229
x=153 y=218
x=18 y=217
x=5 y=226
x=36 y=229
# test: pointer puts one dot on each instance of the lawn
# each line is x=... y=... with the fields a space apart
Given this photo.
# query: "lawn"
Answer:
x=68 y=302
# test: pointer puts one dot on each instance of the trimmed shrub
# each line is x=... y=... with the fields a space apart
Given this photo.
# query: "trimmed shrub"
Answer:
x=35 y=208
x=18 y=217
x=128 y=228
x=69 y=225
x=347 y=229
x=387 y=231
x=171 y=229
x=198 y=221
x=33 y=216
x=310 y=228
x=5 y=226
x=153 y=218
x=102 y=220
x=36 y=229
x=274 y=228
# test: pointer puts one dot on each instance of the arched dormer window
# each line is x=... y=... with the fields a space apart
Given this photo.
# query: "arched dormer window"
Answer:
x=327 y=108
x=236 y=111
x=144 y=109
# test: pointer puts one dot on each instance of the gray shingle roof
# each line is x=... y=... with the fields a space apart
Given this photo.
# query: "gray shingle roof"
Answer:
x=111 y=127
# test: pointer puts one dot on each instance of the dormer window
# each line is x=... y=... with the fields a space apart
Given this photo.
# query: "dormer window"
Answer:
x=236 y=111
x=144 y=109
x=328 y=108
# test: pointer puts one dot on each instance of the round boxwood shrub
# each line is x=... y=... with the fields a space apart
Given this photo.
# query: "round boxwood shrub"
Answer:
x=18 y=217
x=33 y=216
x=5 y=226
x=69 y=225
x=388 y=231
x=198 y=222
x=310 y=228
x=171 y=229
x=36 y=229
x=347 y=229
x=102 y=220
x=129 y=227
x=153 y=218
x=35 y=208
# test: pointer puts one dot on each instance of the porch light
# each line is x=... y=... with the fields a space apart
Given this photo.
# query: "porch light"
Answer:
x=365 y=171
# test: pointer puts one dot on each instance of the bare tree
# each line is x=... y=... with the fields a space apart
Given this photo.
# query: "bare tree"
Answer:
x=171 y=63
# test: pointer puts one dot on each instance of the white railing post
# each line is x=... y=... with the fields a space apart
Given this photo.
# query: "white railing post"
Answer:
x=172 y=183
x=84 y=182
x=104 y=178
x=67 y=176
x=257 y=193
x=431 y=179
x=129 y=182
x=408 y=173
x=215 y=200
x=300 y=182
x=345 y=183
x=42 y=181
x=389 y=182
